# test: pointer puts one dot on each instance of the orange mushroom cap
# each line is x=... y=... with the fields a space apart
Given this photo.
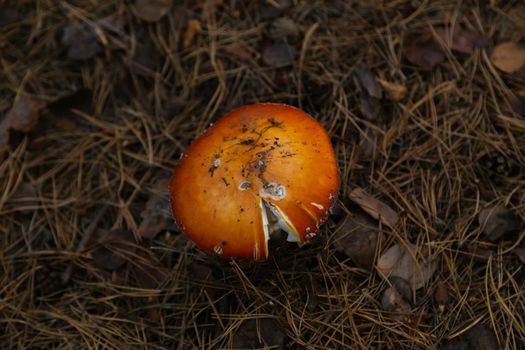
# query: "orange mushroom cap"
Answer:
x=258 y=161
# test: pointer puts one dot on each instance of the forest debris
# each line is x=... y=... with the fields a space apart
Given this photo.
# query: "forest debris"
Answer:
x=81 y=41
x=152 y=10
x=441 y=297
x=403 y=260
x=241 y=51
x=481 y=338
x=259 y=333
x=194 y=27
x=113 y=248
x=508 y=57
x=370 y=92
x=157 y=215
x=283 y=27
x=22 y=116
x=396 y=298
x=460 y=40
x=150 y=274
x=423 y=50
x=374 y=207
x=497 y=221
x=367 y=81
x=394 y=91
x=279 y=54
x=358 y=238
x=520 y=253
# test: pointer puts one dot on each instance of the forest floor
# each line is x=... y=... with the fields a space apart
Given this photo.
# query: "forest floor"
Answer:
x=425 y=107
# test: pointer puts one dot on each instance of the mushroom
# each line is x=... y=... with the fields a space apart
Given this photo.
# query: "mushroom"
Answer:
x=260 y=169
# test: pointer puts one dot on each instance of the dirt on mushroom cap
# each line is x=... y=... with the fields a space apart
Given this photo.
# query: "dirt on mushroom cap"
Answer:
x=259 y=157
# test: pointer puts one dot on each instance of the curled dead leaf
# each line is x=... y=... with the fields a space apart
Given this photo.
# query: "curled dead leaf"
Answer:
x=367 y=81
x=374 y=207
x=405 y=261
x=497 y=221
x=508 y=57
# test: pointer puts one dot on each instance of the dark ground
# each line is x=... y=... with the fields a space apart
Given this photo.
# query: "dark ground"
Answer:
x=426 y=111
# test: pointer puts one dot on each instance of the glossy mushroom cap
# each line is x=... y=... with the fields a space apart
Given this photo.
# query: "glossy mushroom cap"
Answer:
x=259 y=167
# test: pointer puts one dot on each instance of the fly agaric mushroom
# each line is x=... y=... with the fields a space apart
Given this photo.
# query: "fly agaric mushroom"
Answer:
x=260 y=168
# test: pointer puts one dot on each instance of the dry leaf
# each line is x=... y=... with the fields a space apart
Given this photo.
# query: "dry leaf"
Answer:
x=508 y=57
x=394 y=91
x=497 y=221
x=279 y=54
x=113 y=249
x=81 y=41
x=152 y=10
x=367 y=81
x=404 y=261
x=283 y=27
x=396 y=297
x=358 y=238
x=375 y=208
x=241 y=51
x=157 y=214
x=194 y=27
x=22 y=116
x=461 y=40
x=422 y=50
x=259 y=333
x=150 y=275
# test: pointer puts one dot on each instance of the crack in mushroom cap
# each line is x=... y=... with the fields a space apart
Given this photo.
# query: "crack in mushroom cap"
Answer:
x=258 y=157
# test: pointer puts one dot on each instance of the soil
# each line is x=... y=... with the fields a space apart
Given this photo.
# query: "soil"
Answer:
x=99 y=99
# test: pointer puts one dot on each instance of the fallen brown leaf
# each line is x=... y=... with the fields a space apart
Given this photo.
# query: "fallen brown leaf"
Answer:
x=404 y=261
x=81 y=41
x=157 y=215
x=508 y=57
x=113 y=248
x=423 y=50
x=374 y=207
x=152 y=10
x=394 y=91
x=194 y=27
x=460 y=40
x=358 y=238
x=279 y=54
x=497 y=221
x=368 y=81
x=22 y=116
x=283 y=27
x=396 y=297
